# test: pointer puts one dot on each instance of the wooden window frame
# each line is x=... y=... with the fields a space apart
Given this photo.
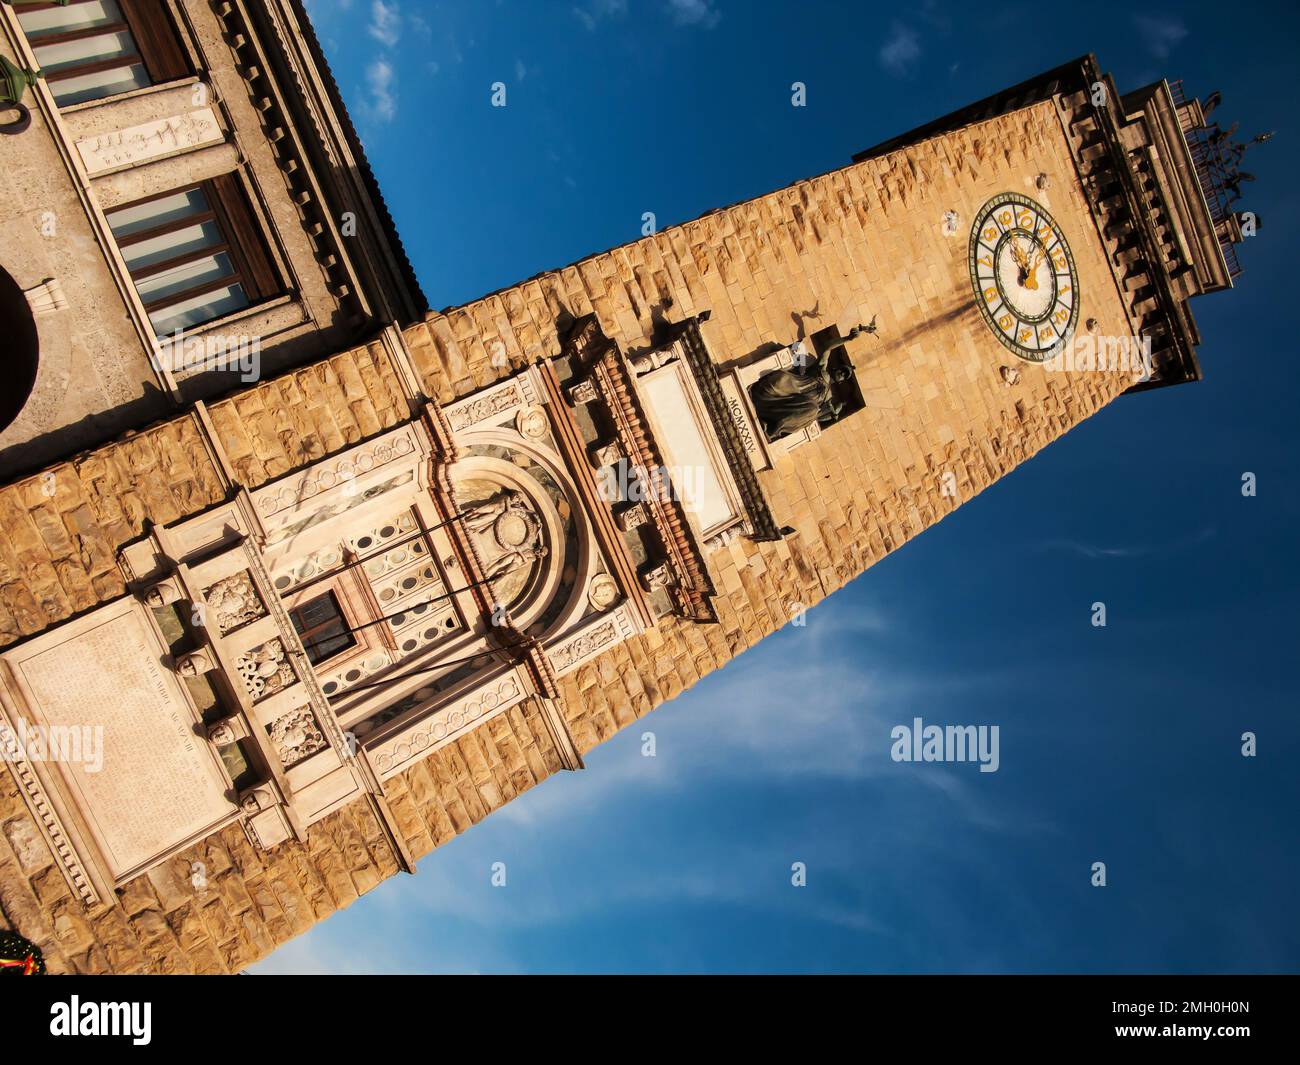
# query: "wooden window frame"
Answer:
x=306 y=634
x=157 y=43
x=229 y=208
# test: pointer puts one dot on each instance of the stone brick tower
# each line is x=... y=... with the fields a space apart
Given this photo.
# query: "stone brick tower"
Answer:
x=327 y=623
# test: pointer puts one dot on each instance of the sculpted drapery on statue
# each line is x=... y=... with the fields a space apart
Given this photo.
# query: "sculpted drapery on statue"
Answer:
x=507 y=533
x=789 y=400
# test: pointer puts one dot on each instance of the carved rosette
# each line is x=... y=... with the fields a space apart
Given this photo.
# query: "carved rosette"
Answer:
x=265 y=670
x=233 y=602
x=602 y=592
x=296 y=736
x=533 y=423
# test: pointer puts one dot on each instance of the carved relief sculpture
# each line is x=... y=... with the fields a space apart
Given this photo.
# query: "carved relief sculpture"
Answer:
x=233 y=601
x=507 y=533
x=265 y=670
x=296 y=736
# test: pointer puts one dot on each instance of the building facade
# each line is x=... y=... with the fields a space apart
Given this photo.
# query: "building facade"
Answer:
x=186 y=207
x=263 y=652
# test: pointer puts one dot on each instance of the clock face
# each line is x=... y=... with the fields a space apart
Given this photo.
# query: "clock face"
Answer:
x=1024 y=276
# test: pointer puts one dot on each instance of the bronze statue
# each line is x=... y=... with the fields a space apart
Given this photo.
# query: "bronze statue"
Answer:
x=787 y=401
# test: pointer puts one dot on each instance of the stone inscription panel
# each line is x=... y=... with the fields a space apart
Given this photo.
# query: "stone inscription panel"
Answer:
x=144 y=783
x=137 y=144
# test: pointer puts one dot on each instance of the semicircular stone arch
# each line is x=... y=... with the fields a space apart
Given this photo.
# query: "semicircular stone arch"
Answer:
x=18 y=327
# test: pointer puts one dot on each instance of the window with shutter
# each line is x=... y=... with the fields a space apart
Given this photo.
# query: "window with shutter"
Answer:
x=90 y=49
x=195 y=254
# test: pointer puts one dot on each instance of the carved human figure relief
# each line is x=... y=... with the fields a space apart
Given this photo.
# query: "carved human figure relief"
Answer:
x=507 y=533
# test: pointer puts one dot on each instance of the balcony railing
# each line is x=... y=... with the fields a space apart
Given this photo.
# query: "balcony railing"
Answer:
x=1212 y=174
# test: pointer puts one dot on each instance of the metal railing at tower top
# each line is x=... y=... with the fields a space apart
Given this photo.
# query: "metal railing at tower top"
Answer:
x=1213 y=174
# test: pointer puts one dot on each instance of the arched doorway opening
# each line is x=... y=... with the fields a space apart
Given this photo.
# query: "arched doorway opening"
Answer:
x=22 y=352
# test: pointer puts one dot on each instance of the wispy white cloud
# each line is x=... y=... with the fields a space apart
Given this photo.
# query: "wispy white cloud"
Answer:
x=594 y=12
x=1161 y=33
x=796 y=711
x=381 y=105
x=901 y=49
x=521 y=71
x=385 y=22
x=700 y=13
x=1087 y=550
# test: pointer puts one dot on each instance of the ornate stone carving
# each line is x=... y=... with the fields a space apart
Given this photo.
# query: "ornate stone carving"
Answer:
x=602 y=592
x=331 y=473
x=260 y=797
x=483 y=407
x=726 y=536
x=437 y=728
x=105 y=151
x=506 y=531
x=227 y=731
x=583 y=392
x=265 y=670
x=608 y=455
x=633 y=517
x=657 y=576
x=652 y=360
x=233 y=601
x=194 y=664
x=582 y=646
x=533 y=423
x=296 y=736
x=162 y=594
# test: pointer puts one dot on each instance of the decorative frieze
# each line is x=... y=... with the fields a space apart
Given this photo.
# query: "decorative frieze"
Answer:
x=597 y=636
x=517 y=396
x=342 y=472
x=443 y=725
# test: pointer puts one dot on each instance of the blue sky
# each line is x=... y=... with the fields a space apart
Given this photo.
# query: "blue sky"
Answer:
x=1119 y=744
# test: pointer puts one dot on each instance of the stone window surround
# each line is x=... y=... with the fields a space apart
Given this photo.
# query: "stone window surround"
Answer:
x=241 y=222
x=358 y=608
x=159 y=56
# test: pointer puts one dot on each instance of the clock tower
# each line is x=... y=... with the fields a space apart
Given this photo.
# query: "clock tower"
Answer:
x=330 y=621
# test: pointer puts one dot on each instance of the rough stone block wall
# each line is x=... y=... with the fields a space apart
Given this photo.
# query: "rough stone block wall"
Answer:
x=863 y=241
x=860 y=242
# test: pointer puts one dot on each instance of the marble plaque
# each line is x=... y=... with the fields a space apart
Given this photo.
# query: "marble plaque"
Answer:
x=142 y=781
x=149 y=140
